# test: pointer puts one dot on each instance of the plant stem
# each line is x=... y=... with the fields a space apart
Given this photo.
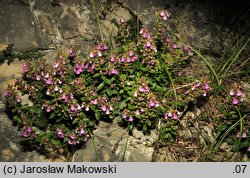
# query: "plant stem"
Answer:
x=172 y=83
x=125 y=149
x=208 y=64
x=235 y=58
x=97 y=20
x=92 y=139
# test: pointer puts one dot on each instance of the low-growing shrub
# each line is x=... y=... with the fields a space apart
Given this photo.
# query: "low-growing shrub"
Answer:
x=138 y=83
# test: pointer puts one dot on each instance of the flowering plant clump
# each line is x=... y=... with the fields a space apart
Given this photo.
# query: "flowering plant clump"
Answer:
x=235 y=109
x=132 y=83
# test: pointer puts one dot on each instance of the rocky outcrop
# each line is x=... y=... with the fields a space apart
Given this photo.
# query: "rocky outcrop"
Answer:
x=45 y=24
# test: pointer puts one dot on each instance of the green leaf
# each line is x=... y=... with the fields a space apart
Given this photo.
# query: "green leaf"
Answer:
x=100 y=86
x=144 y=69
x=96 y=75
x=130 y=127
x=131 y=107
x=75 y=120
x=107 y=81
x=122 y=105
x=97 y=115
x=149 y=123
x=114 y=92
x=109 y=92
x=121 y=91
x=92 y=107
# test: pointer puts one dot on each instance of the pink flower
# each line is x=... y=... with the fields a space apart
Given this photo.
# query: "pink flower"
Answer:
x=95 y=101
x=71 y=52
x=164 y=17
x=174 y=46
x=131 y=119
x=25 y=67
x=56 y=65
x=135 y=94
x=27 y=132
x=56 y=88
x=134 y=57
x=6 y=93
x=65 y=98
x=124 y=115
x=110 y=107
x=18 y=99
x=185 y=48
x=141 y=89
x=78 y=107
x=198 y=84
x=238 y=135
x=91 y=55
x=146 y=89
x=38 y=77
x=170 y=114
x=235 y=101
x=239 y=93
x=48 y=109
x=137 y=112
x=112 y=59
x=148 y=44
x=131 y=53
x=48 y=81
x=107 y=112
x=71 y=142
x=122 y=20
x=248 y=148
x=103 y=108
x=101 y=62
x=206 y=86
x=232 y=93
x=140 y=98
x=73 y=108
x=82 y=132
x=175 y=116
x=244 y=135
x=29 y=129
x=87 y=108
x=47 y=75
x=73 y=136
x=162 y=13
x=59 y=133
x=71 y=96
x=48 y=92
x=128 y=59
x=105 y=46
x=114 y=71
x=99 y=54
x=151 y=103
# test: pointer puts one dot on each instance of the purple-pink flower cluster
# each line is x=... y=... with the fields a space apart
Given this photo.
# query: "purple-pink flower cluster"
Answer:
x=199 y=88
x=174 y=114
x=165 y=15
x=236 y=96
x=25 y=67
x=148 y=41
x=80 y=67
x=28 y=132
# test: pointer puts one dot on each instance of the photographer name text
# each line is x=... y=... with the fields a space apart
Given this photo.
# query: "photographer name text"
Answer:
x=70 y=169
